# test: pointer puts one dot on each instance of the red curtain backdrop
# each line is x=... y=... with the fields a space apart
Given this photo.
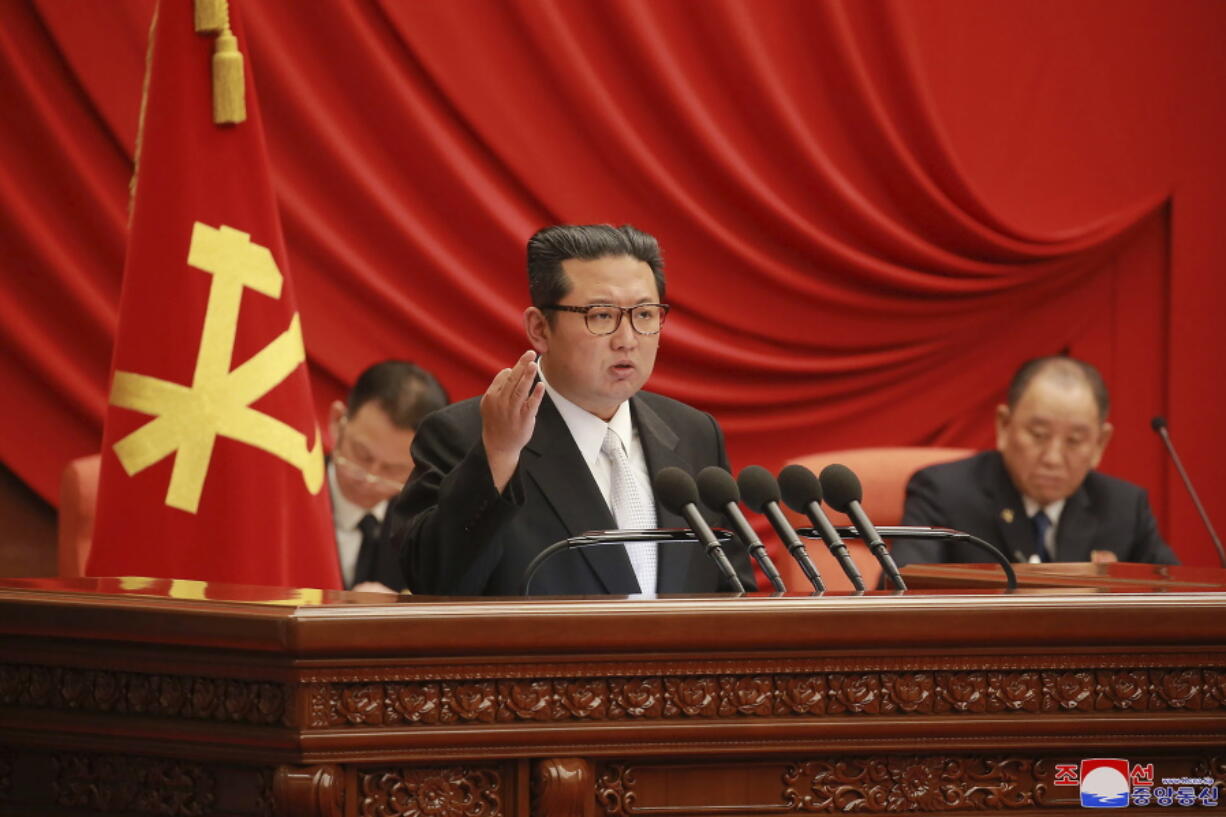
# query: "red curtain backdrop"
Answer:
x=871 y=212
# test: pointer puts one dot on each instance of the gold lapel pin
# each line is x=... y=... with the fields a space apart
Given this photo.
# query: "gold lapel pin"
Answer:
x=1007 y=515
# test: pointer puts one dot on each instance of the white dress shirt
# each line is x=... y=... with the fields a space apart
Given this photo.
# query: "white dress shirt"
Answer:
x=345 y=519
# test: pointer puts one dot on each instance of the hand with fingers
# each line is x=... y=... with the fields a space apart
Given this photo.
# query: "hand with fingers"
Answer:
x=508 y=416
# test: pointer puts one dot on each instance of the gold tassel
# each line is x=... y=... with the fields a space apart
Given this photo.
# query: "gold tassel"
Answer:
x=229 y=88
x=211 y=16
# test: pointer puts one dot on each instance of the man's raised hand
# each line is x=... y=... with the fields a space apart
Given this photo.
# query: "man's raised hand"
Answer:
x=508 y=416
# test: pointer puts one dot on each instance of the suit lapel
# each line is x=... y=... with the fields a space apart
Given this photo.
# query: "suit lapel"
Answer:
x=554 y=463
x=1075 y=533
x=660 y=449
x=1012 y=523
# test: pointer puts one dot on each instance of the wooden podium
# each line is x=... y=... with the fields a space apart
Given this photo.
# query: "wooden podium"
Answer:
x=141 y=696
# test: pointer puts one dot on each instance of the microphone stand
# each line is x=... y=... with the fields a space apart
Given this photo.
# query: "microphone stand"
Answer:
x=614 y=537
x=1159 y=426
x=906 y=532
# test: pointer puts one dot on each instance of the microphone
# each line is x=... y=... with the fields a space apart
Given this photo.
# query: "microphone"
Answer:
x=761 y=493
x=843 y=493
x=1159 y=425
x=611 y=537
x=677 y=492
x=803 y=494
x=719 y=493
x=910 y=532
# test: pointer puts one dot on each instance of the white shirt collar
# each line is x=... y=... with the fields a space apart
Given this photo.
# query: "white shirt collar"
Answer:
x=345 y=514
x=589 y=430
x=1053 y=510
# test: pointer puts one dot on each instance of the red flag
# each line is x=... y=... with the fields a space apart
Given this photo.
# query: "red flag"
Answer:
x=212 y=465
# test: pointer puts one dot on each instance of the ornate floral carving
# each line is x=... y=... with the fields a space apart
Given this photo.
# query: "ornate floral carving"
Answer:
x=251 y=702
x=415 y=703
x=801 y=694
x=1122 y=690
x=901 y=783
x=1176 y=689
x=693 y=697
x=909 y=692
x=615 y=789
x=1068 y=691
x=855 y=693
x=962 y=692
x=118 y=783
x=469 y=701
x=527 y=700
x=361 y=704
x=1215 y=689
x=636 y=698
x=748 y=695
x=753 y=695
x=443 y=792
x=584 y=699
x=1014 y=692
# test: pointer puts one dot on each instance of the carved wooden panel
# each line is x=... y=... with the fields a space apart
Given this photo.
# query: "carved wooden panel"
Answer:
x=198 y=698
x=457 y=791
x=864 y=784
x=34 y=781
x=912 y=783
x=736 y=696
x=118 y=783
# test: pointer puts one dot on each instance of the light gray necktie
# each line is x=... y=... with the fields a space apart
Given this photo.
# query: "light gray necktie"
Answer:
x=633 y=509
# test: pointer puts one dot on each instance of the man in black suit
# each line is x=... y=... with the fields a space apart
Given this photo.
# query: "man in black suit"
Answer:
x=369 y=464
x=563 y=442
x=1037 y=496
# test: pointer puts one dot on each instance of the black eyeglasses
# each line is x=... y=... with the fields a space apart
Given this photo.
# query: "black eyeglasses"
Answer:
x=605 y=319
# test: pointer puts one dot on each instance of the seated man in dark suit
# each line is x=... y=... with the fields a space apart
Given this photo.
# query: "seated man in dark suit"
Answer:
x=537 y=459
x=1037 y=497
x=369 y=464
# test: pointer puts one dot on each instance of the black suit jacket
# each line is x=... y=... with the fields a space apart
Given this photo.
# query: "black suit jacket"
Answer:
x=458 y=536
x=976 y=495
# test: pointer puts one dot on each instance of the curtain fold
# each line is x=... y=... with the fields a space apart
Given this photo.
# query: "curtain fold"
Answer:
x=838 y=276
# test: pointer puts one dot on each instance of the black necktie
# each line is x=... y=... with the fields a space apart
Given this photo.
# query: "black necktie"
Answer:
x=368 y=552
x=1041 y=522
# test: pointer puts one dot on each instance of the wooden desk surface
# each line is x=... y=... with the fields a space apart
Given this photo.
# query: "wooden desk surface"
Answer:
x=119 y=695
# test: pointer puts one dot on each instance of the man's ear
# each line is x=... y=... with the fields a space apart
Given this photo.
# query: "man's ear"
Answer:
x=1002 y=425
x=336 y=413
x=537 y=328
x=1104 y=437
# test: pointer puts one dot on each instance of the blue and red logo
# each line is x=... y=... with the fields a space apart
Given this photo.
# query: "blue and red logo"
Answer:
x=1112 y=782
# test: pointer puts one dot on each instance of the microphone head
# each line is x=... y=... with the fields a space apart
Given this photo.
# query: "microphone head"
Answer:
x=841 y=486
x=717 y=488
x=1158 y=423
x=758 y=487
x=675 y=489
x=799 y=487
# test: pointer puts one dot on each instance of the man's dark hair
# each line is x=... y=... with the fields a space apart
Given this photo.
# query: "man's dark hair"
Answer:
x=1067 y=369
x=404 y=390
x=548 y=248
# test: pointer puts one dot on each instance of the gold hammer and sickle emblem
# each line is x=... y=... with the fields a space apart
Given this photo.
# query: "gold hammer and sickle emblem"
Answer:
x=187 y=421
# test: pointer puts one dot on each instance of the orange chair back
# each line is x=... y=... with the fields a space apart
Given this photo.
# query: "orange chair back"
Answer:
x=883 y=473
